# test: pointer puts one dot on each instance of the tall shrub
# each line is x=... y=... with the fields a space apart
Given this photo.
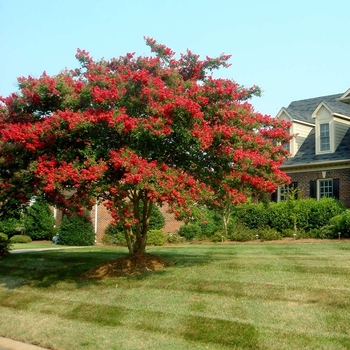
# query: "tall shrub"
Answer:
x=39 y=221
x=323 y=210
x=76 y=230
x=253 y=215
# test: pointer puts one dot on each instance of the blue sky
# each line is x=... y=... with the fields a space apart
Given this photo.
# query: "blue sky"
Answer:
x=291 y=49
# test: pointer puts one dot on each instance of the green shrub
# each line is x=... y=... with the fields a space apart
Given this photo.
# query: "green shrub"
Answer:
x=11 y=226
x=325 y=232
x=240 y=233
x=175 y=238
x=5 y=244
x=341 y=224
x=114 y=235
x=208 y=228
x=279 y=217
x=322 y=211
x=39 y=221
x=76 y=230
x=288 y=232
x=253 y=215
x=218 y=236
x=20 y=239
x=190 y=231
x=269 y=234
x=156 y=237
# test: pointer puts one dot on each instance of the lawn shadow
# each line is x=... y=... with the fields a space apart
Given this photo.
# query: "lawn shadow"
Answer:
x=43 y=269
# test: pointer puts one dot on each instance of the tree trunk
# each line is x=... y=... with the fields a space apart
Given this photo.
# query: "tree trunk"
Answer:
x=137 y=241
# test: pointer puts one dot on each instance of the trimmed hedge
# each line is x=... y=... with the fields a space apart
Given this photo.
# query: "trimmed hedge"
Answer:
x=20 y=239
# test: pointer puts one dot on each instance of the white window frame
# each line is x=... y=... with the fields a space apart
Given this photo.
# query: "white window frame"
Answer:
x=327 y=137
x=282 y=193
x=319 y=182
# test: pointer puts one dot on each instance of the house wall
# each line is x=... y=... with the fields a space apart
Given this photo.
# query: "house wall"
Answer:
x=340 y=129
x=303 y=179
x=302 y=132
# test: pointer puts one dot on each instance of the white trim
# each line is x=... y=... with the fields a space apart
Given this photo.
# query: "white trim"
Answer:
x=307 y=166
x=96 y=221
x=322 y=104
x=344 y=95
x=318 y=189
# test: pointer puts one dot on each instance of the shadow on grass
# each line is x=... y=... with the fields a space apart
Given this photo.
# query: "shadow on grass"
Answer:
x=43 y=269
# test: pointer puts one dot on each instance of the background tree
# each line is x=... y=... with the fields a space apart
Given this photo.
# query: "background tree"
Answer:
x=135 y=130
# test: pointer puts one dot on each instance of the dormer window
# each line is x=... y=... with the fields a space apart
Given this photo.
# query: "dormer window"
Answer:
x=324 y=137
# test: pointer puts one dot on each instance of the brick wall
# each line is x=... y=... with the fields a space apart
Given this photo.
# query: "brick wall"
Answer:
x=104 y=218
x=304 y=178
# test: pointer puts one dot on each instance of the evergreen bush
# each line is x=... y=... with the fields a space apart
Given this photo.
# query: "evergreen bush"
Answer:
x=39 y=221
x=76 y=230
x=269 y=234
x=190 y=231
x=11 y=226
x=253 y=215
x=341 y=224
x=175 y=238
x=5 y=244
x=240 y=233
x=156 y=237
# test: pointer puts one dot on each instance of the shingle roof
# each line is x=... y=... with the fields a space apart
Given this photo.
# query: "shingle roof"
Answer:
x=339 y=107
x=307 y=155
x=302 y=110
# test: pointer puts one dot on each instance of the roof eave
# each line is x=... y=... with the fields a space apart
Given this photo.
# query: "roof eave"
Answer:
x=314 y=164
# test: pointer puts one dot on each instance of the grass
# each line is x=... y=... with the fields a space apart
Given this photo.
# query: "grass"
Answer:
x=34 y=245
x=240 y=296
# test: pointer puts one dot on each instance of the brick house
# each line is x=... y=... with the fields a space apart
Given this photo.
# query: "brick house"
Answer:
x=101 y=218
x=319 y=164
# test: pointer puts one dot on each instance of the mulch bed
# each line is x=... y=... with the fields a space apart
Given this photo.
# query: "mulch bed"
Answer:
x=134 y=264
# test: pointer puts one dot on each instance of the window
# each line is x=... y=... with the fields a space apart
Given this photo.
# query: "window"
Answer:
x=325 y=188
x=324 y=137
x=285 y=191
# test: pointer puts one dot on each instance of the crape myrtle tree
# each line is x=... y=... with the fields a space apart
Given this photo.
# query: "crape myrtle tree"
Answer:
x=133 y=130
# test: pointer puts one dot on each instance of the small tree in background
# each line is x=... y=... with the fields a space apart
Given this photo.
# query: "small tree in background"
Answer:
x=39 y=221
x=76 y=230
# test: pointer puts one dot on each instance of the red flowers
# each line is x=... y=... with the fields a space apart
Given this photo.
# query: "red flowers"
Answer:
x=151 y=129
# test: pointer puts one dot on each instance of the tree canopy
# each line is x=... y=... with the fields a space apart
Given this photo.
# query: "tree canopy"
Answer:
x=127 y=130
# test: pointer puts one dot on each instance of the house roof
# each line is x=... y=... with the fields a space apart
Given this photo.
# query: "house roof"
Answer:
x=306 y=155
x=302 y=110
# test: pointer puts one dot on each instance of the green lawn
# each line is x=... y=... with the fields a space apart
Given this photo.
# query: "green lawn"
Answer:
x=34 y=245
x=239 y=296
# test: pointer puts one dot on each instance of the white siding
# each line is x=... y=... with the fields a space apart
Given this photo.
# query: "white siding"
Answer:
x=302 y=131
x=340 y=129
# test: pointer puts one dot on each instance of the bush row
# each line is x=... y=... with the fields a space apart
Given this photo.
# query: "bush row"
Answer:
x=298 y=215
